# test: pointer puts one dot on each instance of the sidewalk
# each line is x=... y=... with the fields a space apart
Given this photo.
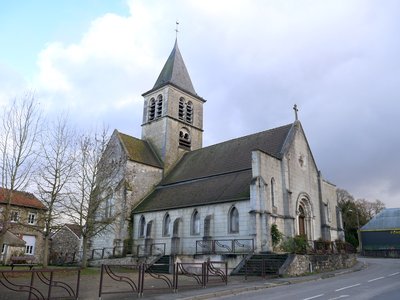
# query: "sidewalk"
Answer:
x=238 y=285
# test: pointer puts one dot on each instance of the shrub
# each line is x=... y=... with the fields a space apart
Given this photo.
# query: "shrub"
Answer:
x=276 y=235
x=298 y=244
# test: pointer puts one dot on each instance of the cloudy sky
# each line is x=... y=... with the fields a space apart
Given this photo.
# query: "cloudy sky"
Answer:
x=251 y=60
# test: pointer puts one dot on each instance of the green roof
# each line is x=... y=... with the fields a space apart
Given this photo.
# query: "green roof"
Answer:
x=214 y=174
x=139 y=151
x=387 y=219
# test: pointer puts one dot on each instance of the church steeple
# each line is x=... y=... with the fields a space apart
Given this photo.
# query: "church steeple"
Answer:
x=175 y=73
x=173 y=112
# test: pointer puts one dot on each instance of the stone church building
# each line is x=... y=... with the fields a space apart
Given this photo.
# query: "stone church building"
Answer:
x=166 y=189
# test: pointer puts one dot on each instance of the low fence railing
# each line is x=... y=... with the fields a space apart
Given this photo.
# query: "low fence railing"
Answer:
x=136 y=279
x=328 y=247
x=150 y=250
x=234 y=246
x=39 y=284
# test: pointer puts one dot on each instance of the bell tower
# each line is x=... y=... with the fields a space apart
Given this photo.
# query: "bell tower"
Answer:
x=173 y=112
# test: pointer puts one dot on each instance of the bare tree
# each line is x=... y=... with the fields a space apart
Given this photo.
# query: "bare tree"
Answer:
x=20 y=124
x=54 y=174
x=356 y=213
x=88 y=197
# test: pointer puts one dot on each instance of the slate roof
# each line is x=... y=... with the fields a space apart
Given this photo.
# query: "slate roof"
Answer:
x=214 y=174
x=12 y=240
x=23 y=199
x=139 y=150
x=387 y=219
x=75 y=229
x=175 y=73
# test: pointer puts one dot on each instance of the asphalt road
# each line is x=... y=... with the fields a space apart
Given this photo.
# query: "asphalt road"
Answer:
x=380 y=280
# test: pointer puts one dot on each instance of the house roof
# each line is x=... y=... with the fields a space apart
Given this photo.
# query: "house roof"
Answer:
x=214 y=174
x=75 y=229
x=22 y=199
x=139 y=151
x=13 y=240
x=175 y=73
x=387 y=219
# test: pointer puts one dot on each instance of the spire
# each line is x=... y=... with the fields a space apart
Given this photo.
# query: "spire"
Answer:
x=175 y=72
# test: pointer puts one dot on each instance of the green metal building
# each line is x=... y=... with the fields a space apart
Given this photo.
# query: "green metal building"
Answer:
x=380 y=237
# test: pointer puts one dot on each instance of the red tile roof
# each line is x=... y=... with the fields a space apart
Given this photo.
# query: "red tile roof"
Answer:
x=21 y=199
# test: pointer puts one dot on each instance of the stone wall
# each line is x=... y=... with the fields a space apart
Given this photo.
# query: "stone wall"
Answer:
x=297 y=265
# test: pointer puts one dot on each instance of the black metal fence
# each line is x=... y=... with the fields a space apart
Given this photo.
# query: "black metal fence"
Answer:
x=136 y=279
x=39 y=284
x=155 y=249
x=328 y=247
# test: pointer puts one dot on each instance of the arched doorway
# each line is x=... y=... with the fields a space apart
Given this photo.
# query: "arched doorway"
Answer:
x=305 y=217
x=302 y=224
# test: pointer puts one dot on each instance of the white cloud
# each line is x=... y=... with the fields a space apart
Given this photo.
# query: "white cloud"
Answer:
x=252 y=61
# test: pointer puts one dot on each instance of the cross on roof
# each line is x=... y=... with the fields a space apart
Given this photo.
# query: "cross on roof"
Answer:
x=176 y=29
x=295 y=111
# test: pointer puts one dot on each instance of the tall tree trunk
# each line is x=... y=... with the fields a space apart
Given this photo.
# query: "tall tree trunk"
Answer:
x=84 y=252
x=46 y=251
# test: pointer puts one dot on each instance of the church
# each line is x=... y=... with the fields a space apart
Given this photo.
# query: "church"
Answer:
x=167 y=189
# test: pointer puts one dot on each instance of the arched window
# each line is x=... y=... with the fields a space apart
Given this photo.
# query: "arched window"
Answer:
x=195 y=223
x=273 y=192
x=184 y=138
x=233 y=218
x=159 y=105
x=149 y=229
x=152 y=109
x=175 y=230
x=181 y=110
x=109 y=204
x=142 y=226
x=166 y=225
x=207 y=226
x=189 y=112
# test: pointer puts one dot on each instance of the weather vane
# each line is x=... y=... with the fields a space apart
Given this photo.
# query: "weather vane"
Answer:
x=295 y=111
x=176 y=29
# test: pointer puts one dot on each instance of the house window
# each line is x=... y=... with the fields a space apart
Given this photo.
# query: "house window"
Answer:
x=152 y=110
x=166 y=225
x=195 y=223
x=142 y=226
x=184 y=138
x=3 y=248
x=14 y=216
x=31 y=218
x=159 y=105
x=30 y=242
x=233 y=220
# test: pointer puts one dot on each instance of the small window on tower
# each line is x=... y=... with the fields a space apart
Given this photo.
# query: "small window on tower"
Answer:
x=159 y=105
x=181 y=108
x=152 y=109
x=189 y=112
x=184 y=138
